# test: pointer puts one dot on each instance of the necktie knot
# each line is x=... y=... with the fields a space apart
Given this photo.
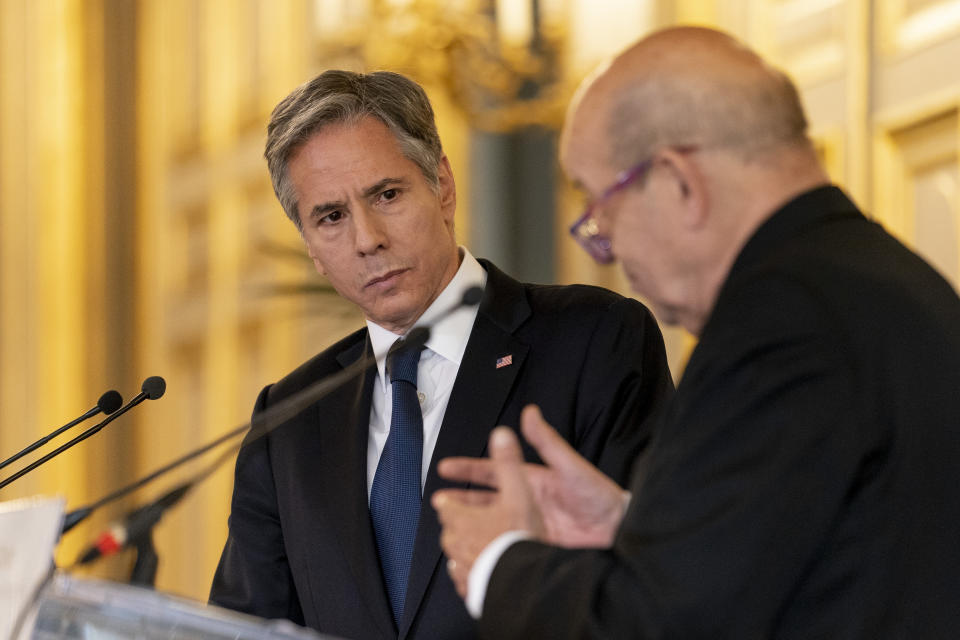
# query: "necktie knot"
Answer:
x=402 y=363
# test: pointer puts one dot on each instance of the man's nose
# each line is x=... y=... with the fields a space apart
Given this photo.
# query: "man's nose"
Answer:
x=601 y=220
x=369 y=232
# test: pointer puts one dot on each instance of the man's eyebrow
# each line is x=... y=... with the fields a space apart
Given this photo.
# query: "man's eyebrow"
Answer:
x=321 y=210
x=379 y=186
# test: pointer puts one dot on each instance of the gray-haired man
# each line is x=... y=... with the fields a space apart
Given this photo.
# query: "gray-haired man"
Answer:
x=325 y=529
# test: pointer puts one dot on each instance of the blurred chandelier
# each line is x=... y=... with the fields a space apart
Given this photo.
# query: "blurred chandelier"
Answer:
x=499 y=60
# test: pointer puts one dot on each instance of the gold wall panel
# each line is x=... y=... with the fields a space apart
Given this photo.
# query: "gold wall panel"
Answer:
x=56 y=242
x=829 y=148
x=908 y=25
x=208 y=212
x=809 y=38
x=918 y=198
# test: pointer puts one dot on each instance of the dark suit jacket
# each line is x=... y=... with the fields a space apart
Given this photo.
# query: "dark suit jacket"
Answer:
x=301 y=545
x=804 y=481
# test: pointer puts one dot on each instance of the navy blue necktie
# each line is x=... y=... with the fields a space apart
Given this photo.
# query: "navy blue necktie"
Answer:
x=395 y=494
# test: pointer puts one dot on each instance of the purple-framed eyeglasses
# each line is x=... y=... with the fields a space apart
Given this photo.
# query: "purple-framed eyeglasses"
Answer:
x=586 y=231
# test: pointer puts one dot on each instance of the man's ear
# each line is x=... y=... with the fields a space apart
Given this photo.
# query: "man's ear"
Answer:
x=447 y=189
x=691 y=186
x=316 y=261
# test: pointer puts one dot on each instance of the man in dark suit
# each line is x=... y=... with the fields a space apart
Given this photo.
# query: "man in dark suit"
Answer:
x=803 y=481
x=327 y=526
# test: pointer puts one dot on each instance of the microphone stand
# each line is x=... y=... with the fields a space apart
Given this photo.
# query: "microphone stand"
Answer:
x=108 y=403
x=144 y=571
x=259 y=426
x=153 y=388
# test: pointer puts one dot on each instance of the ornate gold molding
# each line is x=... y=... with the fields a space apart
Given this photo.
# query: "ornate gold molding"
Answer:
x=501 y=83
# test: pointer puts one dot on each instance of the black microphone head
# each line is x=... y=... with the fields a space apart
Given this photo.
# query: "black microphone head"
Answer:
x=154 y=387
x=110 y=401
x=415 y=339
x=472 y=296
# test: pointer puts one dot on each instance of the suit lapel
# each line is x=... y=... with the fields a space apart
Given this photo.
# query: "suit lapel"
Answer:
x=475 y=405
x=341 y=478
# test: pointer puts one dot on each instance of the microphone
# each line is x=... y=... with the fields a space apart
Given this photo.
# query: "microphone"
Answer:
x=137 y=523
x=418 y=337
x=472 y=296
x=268 y=420
x=152 y=388
x=108 y=403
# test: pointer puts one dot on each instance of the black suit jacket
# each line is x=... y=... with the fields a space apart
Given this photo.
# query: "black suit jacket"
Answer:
x=301 y=545
x=804 y=482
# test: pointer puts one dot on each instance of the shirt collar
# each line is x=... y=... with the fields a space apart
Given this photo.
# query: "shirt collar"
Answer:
x=449 y=332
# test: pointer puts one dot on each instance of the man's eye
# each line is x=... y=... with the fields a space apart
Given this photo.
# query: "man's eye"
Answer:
x=333 y=216
x=389 y=194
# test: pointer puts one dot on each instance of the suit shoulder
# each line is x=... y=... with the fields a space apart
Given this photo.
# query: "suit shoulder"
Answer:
x=580 y=299
x=323 y=364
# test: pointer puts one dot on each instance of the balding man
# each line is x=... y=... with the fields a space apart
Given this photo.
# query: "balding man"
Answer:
x=803 y=482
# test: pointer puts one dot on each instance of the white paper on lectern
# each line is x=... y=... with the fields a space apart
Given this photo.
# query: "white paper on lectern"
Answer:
x=29 y=530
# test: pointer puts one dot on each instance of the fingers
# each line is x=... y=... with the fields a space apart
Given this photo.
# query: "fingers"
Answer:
x=460 y=576
x=504 y=448
x=455 y=507
x=477 y=471
x=461 y=521
x=471 y=519
x=467 y=496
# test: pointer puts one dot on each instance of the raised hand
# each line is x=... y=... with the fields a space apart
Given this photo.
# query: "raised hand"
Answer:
x=567 y=501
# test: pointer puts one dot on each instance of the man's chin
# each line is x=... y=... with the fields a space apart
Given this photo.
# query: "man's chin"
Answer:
x=665 y=315
x=397 y=317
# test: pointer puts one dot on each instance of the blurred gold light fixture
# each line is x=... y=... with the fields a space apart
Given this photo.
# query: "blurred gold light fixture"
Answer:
x=499 y=60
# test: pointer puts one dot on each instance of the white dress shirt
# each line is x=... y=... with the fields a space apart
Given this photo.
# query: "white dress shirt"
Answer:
x=437 y=371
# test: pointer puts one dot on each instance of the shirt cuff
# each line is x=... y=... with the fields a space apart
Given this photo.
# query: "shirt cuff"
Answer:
x=482 y=569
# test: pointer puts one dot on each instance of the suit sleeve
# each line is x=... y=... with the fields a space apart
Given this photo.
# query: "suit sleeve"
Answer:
x=624 y=385
x=743 y=483
x=253 y=575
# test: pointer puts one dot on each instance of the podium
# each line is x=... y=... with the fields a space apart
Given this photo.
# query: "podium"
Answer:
x=72 y=608
x=38 y=603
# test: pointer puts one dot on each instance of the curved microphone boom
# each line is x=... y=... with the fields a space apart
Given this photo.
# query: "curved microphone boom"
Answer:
x=109 y=402
x=262 y=424
x=418 y=336
x=152 y=388
x=138 y=522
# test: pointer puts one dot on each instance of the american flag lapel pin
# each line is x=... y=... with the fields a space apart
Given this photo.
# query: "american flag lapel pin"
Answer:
x=505 y=361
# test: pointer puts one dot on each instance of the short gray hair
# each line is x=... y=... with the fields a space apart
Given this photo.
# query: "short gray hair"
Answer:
x=750 y=113
x=336 y=97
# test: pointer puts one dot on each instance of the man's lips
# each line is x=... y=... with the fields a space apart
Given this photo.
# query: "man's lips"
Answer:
x=385 y=278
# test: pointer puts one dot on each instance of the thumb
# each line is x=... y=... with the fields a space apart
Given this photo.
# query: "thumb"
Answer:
x=551 y=447
x=504 y=446
x=508 y=461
